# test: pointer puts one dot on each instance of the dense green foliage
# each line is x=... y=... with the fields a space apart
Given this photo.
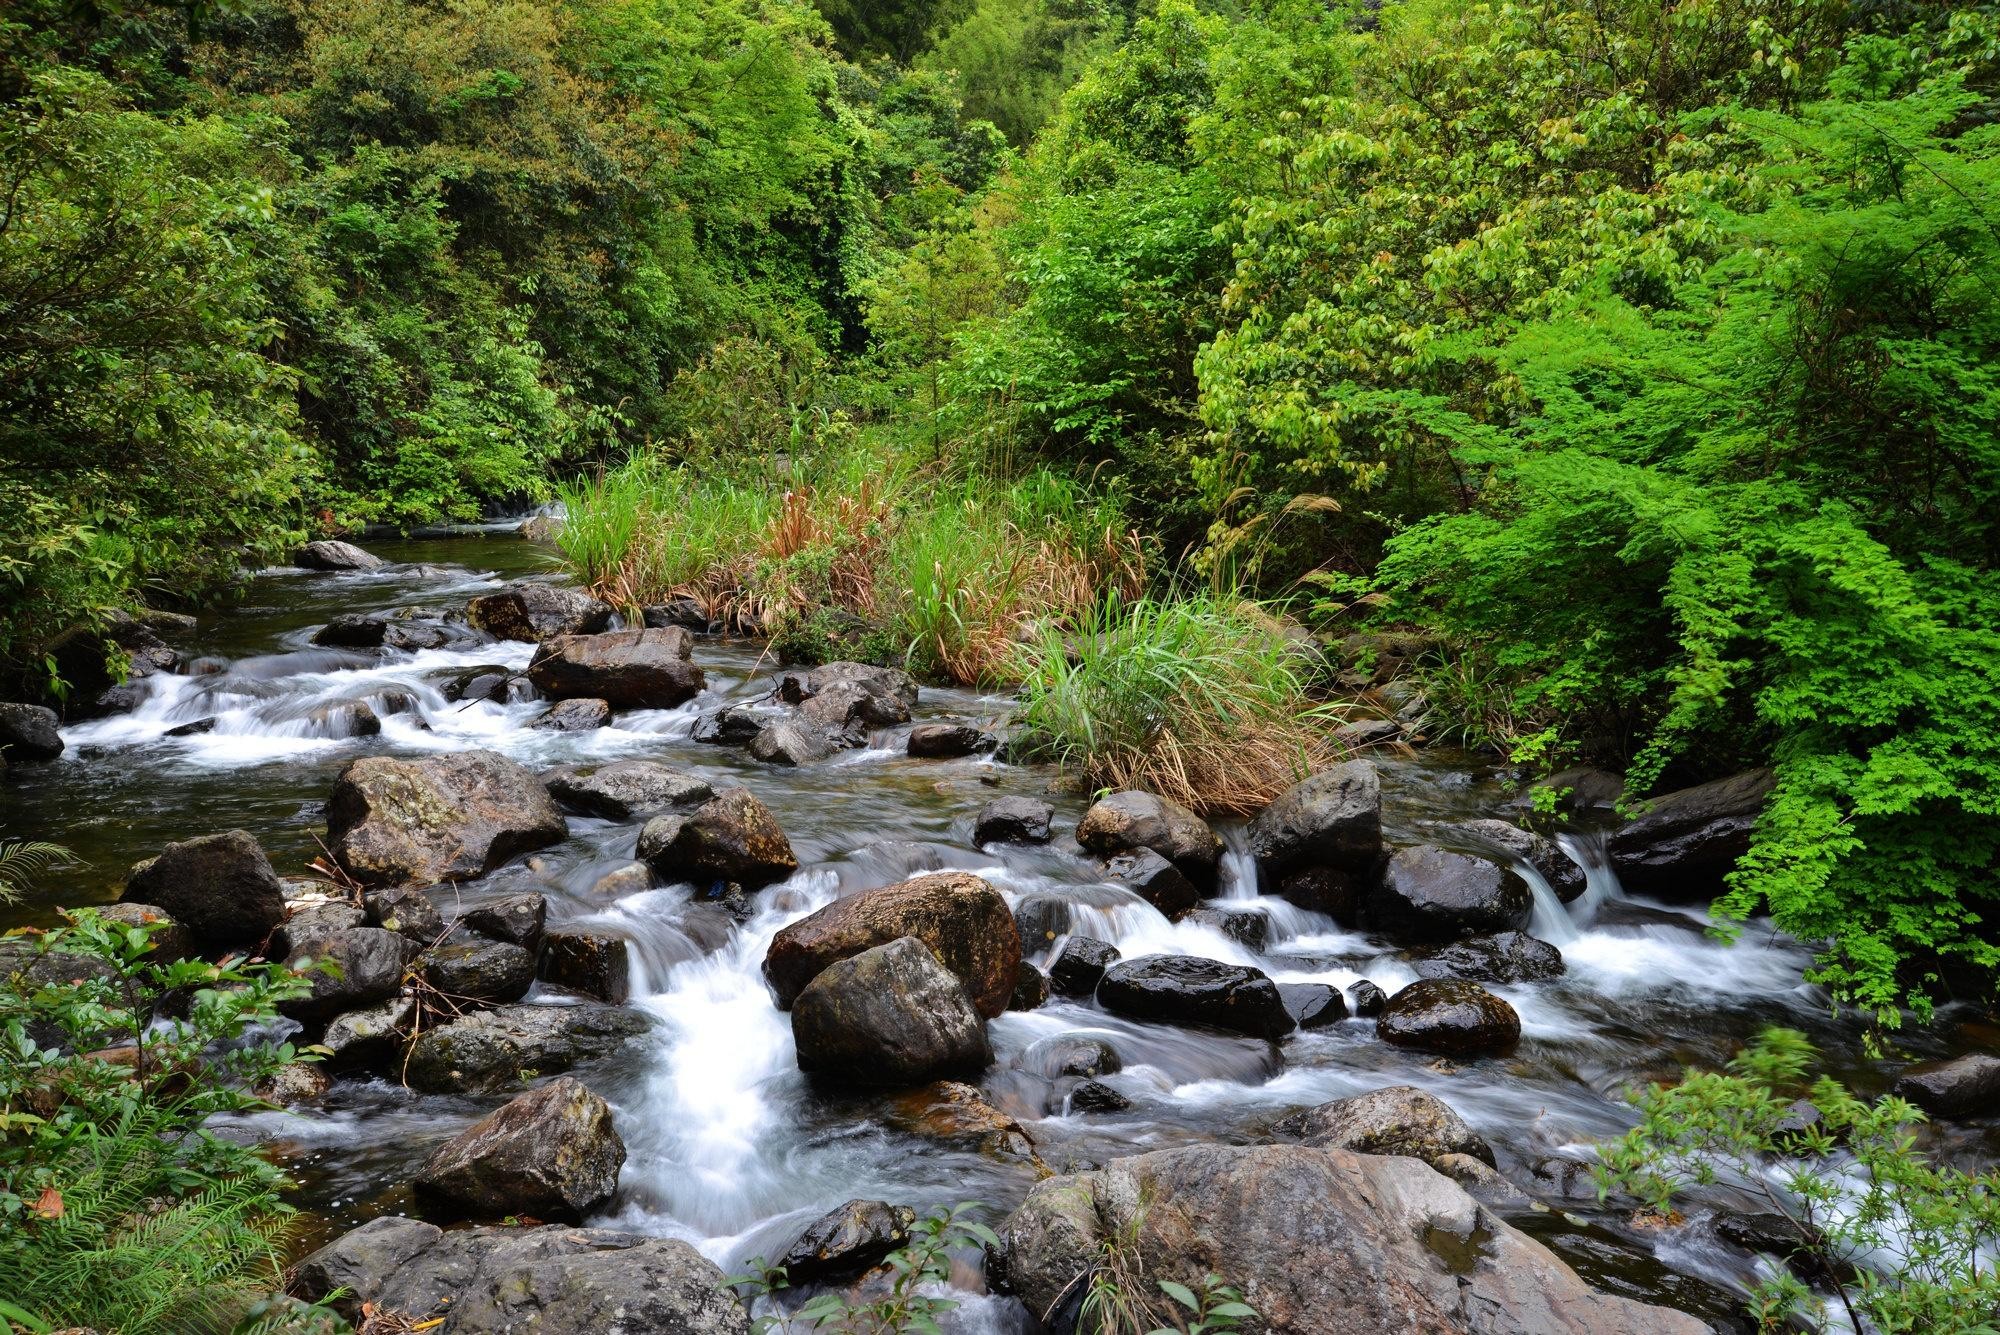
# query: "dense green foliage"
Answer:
x=1878 y=1232
x=121 y=1210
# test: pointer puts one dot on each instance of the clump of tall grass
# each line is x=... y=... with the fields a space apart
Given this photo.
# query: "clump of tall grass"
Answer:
x=1200 y=699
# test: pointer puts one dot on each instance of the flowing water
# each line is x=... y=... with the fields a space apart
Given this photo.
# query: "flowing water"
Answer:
x=728 y=1145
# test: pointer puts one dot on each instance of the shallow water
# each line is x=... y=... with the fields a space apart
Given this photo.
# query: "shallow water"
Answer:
x=728 y=1145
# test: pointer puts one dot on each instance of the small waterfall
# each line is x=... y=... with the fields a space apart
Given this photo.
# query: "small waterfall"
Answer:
x=1600 y=881
x=1550 y=918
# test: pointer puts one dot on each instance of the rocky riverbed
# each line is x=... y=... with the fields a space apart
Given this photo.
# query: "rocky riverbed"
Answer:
x=691 y=959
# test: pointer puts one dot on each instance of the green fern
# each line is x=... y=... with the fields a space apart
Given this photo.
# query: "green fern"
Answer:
x=22 y=860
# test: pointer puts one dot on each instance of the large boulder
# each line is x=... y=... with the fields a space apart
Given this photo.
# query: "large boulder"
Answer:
x=1967 y=1086
x=532 y=613
x=1510 y=957
x=1155 y=880
x=847 y=1240
x=945 y=741
x=730 y=837
x=962 y=918
x=1683 y=843
x=1450 y=1016
x=1333 y=819
x=552 y=1153
x=628 y=669
x=368 y=969
x=487 y=1052
x=796 y=687
x=845 y=711
x=791 y=742
x=437 y=818
x=1319 y=1241
x=220 y=887
x=889 y=1016
x=1428 y=894
x=1400 y=1119
x=509 y=1281
x=1517 y=845
x=28 y=733
x=480 y=970
x=1129 y=821
x=1184 y=989
x=626 y=788
x=330 y=554
x=1013 y=820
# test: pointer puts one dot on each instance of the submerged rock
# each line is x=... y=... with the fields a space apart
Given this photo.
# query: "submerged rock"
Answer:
x=1320 y=1241
x=1683 y=843
x=1401 y=1119
x=489 y=1052
x=331 y=554
x=28 y=733
x=847 y=1240
x=628 y=669
x=552 y=1153
x=507 y=1281
x=1449 y=1016
x=1428 y=894
x=962 y=918
x=1013 y=820
x=888 y=1016
x=731 y=837
x=626 y=788
x=1181 y=989
x=531 y=613
x=437 y=818
x=1129 y=821
x=220 y=887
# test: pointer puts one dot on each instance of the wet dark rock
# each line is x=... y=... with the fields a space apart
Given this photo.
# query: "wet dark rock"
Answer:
x=371 y=1037
x=437 y=818
x=1129 y=821
x=471 y=968
x=889 y=1016
x=591 y=964
x=495 y=683
x=1071 y=1054
x=1515 y=844
x=846 y=1241
x=731 y=725
x=1031 y=989
x=1094 y=1096
x=730 y=837
x=532 y=613
x=507 y=1281
x=962 y=918
x=406 y=911
x=626 y=788
x=953 y=1113
x=353 y=630
x=411 y=636
x=1967 y=1086
x=1313 y=1005
x=629 y=669
x=1013 y=820
x=1559 y=1177
x=574 y=715
x=1428 y=894
x=515 y=919
x=552 y=1153
x=1333 y=819
x=370 y=970
x=790 y=742
x=1184 y=990
x=1080 y=966
x=344 y=718
x=1683 y=843
x=387 y=704
x=1799 y=1245
x=170 y=939
x=194 y=729
x=1366 y=999
x=1339 y=894
x=945 y=741
x=1625 y=917
x=1041 y=919
x=1155 y=880
x=488 y=1052
x=1450 y=1016
x=1510 y=957
x=1320 y=1240
x=220 y=887
x=684 y=612
x=1400 y=1119
x=1246 y=927
x=797 y=687
x=329 y=554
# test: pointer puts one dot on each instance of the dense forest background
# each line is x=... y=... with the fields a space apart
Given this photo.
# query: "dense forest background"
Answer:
x=1643 y=355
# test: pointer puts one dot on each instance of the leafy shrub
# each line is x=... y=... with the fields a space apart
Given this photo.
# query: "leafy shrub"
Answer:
x=122 y=1211
x=1903 y=1243
x=910 y=1303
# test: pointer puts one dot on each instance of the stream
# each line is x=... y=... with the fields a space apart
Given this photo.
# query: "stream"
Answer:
x=728 y=1145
